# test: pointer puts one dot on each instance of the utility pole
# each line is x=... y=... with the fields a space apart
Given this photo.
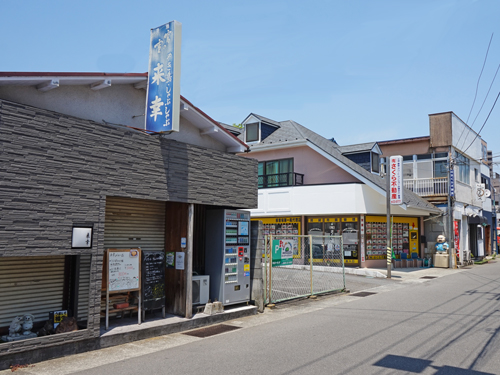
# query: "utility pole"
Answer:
x=451 y=188
x=493 y=207
x=388 y=204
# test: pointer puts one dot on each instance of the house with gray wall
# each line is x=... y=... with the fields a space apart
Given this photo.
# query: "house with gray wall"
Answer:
x=75 y=157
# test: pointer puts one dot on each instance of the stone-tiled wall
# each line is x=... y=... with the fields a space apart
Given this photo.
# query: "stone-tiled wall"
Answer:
x=56 y=171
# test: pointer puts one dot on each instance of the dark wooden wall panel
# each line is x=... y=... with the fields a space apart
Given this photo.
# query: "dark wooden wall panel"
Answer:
x=199 y=239
x=176 y=222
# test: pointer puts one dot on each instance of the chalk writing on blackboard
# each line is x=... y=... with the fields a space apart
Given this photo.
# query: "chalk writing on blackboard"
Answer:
x=153 y=279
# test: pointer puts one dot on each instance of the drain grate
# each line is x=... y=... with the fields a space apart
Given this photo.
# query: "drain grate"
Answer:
x=465 y=268
x=363 y=294
x=429 y=277
x=210 y=331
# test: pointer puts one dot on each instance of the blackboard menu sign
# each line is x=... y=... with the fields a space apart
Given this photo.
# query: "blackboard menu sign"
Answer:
x=153 y=279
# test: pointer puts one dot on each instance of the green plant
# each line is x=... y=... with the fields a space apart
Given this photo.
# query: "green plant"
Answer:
x=481 y=261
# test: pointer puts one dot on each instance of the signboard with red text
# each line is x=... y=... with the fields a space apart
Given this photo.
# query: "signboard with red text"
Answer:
x=396 y=179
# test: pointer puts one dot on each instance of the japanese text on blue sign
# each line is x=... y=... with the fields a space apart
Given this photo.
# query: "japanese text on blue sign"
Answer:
x=162 y=105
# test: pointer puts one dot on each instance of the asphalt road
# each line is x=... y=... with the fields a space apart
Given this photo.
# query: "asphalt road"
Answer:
x=447 y=325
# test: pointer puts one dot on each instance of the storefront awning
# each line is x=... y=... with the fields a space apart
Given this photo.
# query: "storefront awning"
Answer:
x=478 y=220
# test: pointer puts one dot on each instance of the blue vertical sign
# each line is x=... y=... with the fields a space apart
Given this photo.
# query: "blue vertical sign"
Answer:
x=163 y=97
x=452 y=182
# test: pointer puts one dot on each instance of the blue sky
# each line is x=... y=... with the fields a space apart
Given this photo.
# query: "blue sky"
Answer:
x=355 y=70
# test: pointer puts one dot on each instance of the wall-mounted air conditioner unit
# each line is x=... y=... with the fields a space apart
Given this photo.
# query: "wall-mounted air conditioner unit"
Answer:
x=201 y=289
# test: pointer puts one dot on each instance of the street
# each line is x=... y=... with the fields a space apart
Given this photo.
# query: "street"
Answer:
x=446 y=325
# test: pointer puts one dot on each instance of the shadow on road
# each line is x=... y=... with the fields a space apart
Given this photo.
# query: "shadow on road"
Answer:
x=417 y=366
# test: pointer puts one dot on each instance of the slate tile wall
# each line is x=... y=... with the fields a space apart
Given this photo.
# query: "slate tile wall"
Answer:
x=56 y=171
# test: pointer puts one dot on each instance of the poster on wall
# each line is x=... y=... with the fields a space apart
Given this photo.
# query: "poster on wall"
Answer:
x=179 y=260
x=170 y=259
x=404 y=237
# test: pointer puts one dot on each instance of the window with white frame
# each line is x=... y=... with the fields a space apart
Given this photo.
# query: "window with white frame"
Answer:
x=462 y=164
x=252 y=132
x=425 y=166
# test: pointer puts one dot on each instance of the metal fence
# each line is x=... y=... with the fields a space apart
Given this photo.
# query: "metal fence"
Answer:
x=298 y=266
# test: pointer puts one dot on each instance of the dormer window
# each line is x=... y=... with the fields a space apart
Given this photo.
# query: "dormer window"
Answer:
x=252 y=132
x=258 y=128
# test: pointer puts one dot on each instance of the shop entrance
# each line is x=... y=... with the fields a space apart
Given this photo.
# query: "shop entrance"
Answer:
x=160 y=227
x=347 y=227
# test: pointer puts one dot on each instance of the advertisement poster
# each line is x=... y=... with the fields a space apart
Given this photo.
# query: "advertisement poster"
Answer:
x=282 y=252
x=170 y=259
x=179 y=260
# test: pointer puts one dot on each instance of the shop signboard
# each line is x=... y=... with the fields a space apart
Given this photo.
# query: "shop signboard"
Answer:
x=163 y=97
x=123 y=275
x=282 y=253
x=283 y=226
x=153 y=279
x=457 y=236
x=396 y=179
x=452 y=182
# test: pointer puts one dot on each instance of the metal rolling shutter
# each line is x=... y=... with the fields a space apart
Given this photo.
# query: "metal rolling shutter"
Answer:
x=134 y=223
x=30 y=285
x=83 y=287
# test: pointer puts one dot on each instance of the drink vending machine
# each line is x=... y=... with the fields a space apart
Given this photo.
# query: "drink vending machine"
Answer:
x=227 y=257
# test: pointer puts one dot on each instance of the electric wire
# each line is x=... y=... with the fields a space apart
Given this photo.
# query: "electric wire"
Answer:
x=486 y=97
x=477 y=87
x=479 y=79
x=485 y=121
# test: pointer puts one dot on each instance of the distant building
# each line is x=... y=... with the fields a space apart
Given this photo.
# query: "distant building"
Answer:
x=307 y=186
x=425 y=172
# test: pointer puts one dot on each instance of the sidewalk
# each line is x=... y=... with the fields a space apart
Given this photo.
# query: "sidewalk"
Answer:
x=403 y=273
x=412 y=273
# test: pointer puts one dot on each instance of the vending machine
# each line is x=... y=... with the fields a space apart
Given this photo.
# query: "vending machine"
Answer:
x=227 y=255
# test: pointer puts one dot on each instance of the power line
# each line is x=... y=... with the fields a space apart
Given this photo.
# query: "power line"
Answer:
x=484 y=101
x=485 y=121
x=477 y=87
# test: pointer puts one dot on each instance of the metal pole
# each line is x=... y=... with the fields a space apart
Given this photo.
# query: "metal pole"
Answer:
x=451 y=236
x=342 y=257
x=107 y=288
x=493 y=211
x=270 y=267
x=388 y=204
x=189 y=262
x=311 y=261
x=265 y=269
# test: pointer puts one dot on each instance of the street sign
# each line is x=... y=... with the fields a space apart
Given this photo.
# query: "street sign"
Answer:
x=282 y=252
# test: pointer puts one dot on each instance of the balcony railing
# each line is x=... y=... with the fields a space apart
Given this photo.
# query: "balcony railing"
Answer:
x=281 y=179
x=426 y=187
